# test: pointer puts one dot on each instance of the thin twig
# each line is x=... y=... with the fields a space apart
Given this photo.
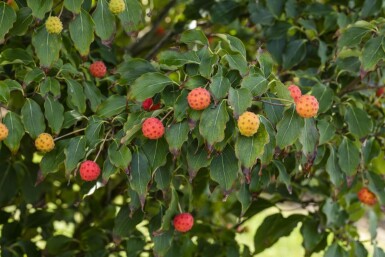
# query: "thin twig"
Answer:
x=156 y=48
x=271 y=103
x=167 y=114
x=102 y=145
x=71 y=133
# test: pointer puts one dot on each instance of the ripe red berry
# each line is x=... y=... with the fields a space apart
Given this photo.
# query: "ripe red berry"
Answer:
x=183 y=222
x=152 y=128
x=366 y=196
x=148 y=105
x=98 y=69
x=307 y=106
x=89 y=170
x=199 y=99
x=295 y=92
x=380 y=91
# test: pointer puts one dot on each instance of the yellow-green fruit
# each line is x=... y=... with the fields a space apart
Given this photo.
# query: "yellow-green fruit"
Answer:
x=248 y=124
x=3 y=132
x=44 y=143
x=117 y=6
x=54 y=25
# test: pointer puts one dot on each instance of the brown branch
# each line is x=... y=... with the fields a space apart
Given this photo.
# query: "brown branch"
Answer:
x=156 y=48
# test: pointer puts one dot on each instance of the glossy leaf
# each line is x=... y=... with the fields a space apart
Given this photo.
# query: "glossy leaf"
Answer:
x=32 y=118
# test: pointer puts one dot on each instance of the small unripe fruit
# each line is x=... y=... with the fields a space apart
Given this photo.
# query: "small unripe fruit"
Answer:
x=117 y=6
x=295 y=92
x=366 y=196
x=44 y=143
x=380 y=92
x=183 y=222
x=307 y=106
x=89 y=170
x=152 y=128
x=98 y=69
x=3 y=132
x=199 y=99
x=148 y=105
x=54 y=25
x=248 y=124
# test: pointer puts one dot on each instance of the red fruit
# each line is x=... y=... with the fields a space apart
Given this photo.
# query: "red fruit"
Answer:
x=98 y=69
x=199 y=99
x=295 y=92
x=366 y=196
x=89 y=170
x=307 y=106
x=148 y=105
x=152 y=128
x=380 y=92
x=183 y=222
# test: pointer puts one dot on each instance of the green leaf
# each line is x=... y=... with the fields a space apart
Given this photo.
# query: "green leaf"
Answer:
x=213 y=123
x=378 y=252
x=358 y=121
x=50 y=85
x=54 y=113
x=176 y=135
x=47 y=47
x=16 y=131
x=35 y=75
x=104 y=21
x=194 y=36
x=311 y=235
x=108 y=169
x=113 y=106
x=148 y=85
x=373 y=224
x=163 y=176
x=269 y=150
x=326 y=130
x=82 y=32
x=4 y=92
x=197 y=158
x=16 y=55
x=283 y=175
x=75 y=96
x=372 y=53
x=244 y=197
x=74 y=152
x=219 y=86
x=178 y=59
x=273 y=228
x=224 y=168
x=94 y=131
x=294 y=53
x=140 y=174
x=273 y=111
x=353 y=35
x=358 y=250
x=133 y=69
x=208 y=62
x=324 y=96
x=233 y=43
x=240 y=99
x=33 y=118
x=289 y=128
x=171 y=211
x=7 y=18
x=52 y=161
x=23 y=20
x=73 y=5
x=249 y=149
x=256 y=83
x=125 y=221
x=237 y=62
x=348 y=157
x=156 y=152
x=333 y=168
x=132 y=16
x=335 y=250
x=119 y=155
x=58 y=244
x=162 y=242
x=309 y=137
x=371 y=7
x=40 y=7
x=275 y=7
x=93 y=95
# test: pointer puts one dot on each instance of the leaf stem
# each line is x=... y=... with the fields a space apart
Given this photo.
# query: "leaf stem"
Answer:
x=271 y=103
x=279 y=99
x=167 y=114
x=102 y=145
x=68 y=134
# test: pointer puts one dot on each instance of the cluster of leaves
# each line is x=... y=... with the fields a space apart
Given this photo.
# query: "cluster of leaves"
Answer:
x=202 y=159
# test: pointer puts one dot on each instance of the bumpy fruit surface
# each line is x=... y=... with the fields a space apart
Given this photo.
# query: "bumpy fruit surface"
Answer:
x=98 y=69
x=183 y=222
x=199 y=99
x=152 y=128
x=54 y=25
x=366 y=196
x=307 y=106
x=117 y=6
x=380 y=92
x=148 y=105
x=89 y=170
x=248 y=124
x=44 y=143
x=3 y=132
x=295 y=92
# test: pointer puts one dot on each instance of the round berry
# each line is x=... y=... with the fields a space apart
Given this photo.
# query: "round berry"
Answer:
x=117 y=6
x=98 y=69
x=366 y=196
x=148 y=105
x=152 y=128
x=248 y=124
x=295 y=92
x=380 y=92
x=199 y=99
x=3 y=132
x=183 y=222
x=89 y=170
x=307 y=106
x=44 y=143
x=54 y=25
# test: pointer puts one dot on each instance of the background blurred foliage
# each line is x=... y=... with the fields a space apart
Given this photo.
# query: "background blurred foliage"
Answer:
x=245 y=51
